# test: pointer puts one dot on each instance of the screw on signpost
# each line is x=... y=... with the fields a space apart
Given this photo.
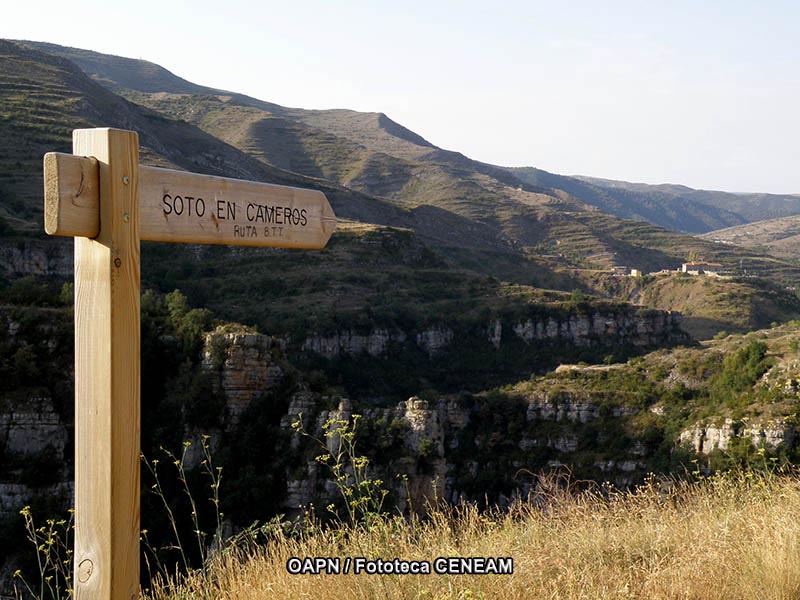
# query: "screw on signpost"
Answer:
x=84 y=200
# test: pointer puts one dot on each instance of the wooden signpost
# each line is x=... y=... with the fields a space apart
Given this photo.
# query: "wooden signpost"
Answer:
x=102 y=197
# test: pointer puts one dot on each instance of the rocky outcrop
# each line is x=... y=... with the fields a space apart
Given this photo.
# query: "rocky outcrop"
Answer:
x=300 y=492
x=246 y=365
x=704 y=439
x=32 y=426
x=425 y=428
x=561 y=406
x=495 y=333
x=427 y=431
x=31 y=257
x=434 y=339
x=32 y=431
x=350 y=343
x=640 y=328
x=433 y=450
x=14 y=496
x=604 y=326
x=425 y=439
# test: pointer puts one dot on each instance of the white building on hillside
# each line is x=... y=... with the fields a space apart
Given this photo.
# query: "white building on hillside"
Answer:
x=701 y=268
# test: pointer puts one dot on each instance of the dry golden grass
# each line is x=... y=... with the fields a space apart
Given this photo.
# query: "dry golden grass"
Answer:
x=725 y=537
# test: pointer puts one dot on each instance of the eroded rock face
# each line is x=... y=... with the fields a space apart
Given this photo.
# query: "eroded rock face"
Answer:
x=430 y=456
x=564 y=443
x=570 y=407
x=195 y=441
x=350 y=343
x=642 y=328
x=425 y=430
x=300 y=492
x=247 y=364
x=33 y=258
x=434 y=339
x=424 y=424
x=704 y=439
x=429 y=442
x=31 y=427
x=623 y=326
x=425 y=438
x=495 y=333
x=13 y=496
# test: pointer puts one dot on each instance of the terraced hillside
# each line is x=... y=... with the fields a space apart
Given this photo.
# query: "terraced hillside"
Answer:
x=779 y=237
x=43 y=97
x=748 y=207
x=346 y=146
x=476 y=219
x=708 y=305
x=363 y=151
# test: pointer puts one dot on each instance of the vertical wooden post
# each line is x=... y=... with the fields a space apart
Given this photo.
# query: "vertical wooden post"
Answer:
x=107 y=379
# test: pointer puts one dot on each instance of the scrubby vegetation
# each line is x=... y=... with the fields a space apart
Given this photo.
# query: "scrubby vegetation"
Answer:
x=730 y=536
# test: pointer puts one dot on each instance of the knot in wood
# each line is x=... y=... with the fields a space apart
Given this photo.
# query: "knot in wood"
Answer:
x=85 y=570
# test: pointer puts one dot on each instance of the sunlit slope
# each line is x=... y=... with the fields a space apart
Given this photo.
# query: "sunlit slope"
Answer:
x=44 y=97
x=350 y=146
x=482 y=218
x=778 y=237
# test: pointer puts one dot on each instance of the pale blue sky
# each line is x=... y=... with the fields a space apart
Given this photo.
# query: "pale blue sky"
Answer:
x=705 y=94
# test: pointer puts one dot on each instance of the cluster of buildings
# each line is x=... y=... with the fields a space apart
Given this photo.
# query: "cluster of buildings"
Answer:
x=690 y=268
x=701 y=268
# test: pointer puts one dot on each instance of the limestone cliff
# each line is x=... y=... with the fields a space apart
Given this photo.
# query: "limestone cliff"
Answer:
x=34 y=257
x=602 y=326
x=452 y=447
x=637 y=327
x=246 y=365
x=31 y=426
x=349 y=342
x=705 y=438
x=32 y=437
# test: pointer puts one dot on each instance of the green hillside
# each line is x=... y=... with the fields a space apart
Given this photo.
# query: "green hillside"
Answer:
x=476 y=219
x=749 y=207
x=707 y=305
x=675 y=211
x=779 y=237
x=372 y=153
x=43 y=97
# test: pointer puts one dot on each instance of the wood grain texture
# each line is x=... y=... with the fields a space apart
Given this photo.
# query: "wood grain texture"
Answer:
x=107 y=377
x=71 y=195
x=176 y=206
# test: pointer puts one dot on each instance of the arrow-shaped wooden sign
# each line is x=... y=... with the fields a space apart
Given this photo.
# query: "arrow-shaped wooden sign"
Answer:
x=176 y=206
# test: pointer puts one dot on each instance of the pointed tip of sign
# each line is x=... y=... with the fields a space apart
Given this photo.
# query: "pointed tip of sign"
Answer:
x=329 y=224
x=328 y=218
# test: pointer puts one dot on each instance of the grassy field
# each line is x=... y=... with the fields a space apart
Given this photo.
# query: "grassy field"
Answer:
x=729 y=536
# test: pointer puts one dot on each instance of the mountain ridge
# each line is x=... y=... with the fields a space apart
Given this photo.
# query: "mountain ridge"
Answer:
x=480 y=220
x=672 y=206
x=164 y=142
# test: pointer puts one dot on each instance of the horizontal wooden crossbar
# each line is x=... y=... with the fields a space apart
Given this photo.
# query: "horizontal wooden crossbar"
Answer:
x=177 y=206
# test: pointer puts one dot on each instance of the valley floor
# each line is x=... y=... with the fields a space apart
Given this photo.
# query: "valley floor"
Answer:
x=728 y=536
